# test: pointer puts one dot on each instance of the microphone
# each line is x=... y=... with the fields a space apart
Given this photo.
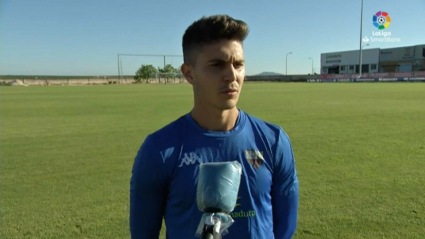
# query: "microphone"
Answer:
x=216 y=196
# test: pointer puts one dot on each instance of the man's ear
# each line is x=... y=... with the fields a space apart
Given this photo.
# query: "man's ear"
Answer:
x=187 y=71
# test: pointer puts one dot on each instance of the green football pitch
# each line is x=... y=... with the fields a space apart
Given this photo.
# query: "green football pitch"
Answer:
x=67 y=152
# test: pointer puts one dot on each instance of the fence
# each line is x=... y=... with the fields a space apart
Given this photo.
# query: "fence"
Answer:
x=178 y=78
x=375 y=75
x=84 y=81
x=415 y=76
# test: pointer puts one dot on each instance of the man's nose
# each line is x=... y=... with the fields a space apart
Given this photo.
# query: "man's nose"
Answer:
x=230 y=73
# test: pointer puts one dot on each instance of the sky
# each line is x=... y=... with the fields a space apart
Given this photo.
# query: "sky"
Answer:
x=84 y=37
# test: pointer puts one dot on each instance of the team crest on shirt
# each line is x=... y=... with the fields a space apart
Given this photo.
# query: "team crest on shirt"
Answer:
x=255 y=158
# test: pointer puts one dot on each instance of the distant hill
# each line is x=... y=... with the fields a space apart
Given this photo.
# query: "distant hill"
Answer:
x=268 y=73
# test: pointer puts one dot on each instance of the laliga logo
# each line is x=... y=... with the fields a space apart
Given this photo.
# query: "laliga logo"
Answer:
x=381 y=20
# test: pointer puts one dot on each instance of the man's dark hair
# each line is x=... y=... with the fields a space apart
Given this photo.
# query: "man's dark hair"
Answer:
x=212 y=29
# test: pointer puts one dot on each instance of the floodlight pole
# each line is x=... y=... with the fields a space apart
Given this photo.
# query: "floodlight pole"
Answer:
x=122 y=75
x=361 y=37
x=311 y=65
x=119 y=73
x=286 y=61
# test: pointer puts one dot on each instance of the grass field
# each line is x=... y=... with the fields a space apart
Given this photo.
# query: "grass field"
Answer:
x=67 y=152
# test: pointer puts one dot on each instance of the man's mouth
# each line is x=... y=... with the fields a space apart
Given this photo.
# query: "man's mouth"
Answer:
x=230 y=92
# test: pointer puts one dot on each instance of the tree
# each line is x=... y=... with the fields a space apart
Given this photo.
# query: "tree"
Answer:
x=145 y=72
x=169 y=71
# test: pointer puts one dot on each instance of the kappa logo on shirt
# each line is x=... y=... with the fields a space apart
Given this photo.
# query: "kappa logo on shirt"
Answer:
x=255 y=158
x=189 y=159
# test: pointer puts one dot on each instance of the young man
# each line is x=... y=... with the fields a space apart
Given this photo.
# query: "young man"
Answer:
x=165 y=171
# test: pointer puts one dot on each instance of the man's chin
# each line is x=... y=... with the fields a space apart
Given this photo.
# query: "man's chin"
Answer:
x=229 y=105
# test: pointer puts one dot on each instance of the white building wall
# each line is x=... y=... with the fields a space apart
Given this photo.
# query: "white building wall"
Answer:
x=348 y=60
x=420 y=52
x=395 y=54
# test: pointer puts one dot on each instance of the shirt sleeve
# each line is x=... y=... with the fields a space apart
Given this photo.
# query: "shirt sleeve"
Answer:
x=148 y=192
x=284 y=190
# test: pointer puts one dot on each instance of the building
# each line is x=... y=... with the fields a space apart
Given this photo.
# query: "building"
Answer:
x=376 y=60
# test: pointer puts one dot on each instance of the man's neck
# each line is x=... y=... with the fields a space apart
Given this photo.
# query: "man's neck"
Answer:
x=215 y=120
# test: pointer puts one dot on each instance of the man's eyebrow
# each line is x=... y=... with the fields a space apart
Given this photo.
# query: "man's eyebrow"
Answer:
x=216 y=60
x=224 y=61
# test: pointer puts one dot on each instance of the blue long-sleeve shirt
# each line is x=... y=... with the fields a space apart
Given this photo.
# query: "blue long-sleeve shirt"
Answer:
x=165 y=174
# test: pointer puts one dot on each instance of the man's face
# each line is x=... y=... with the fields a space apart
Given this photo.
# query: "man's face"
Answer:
x=218 y=74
